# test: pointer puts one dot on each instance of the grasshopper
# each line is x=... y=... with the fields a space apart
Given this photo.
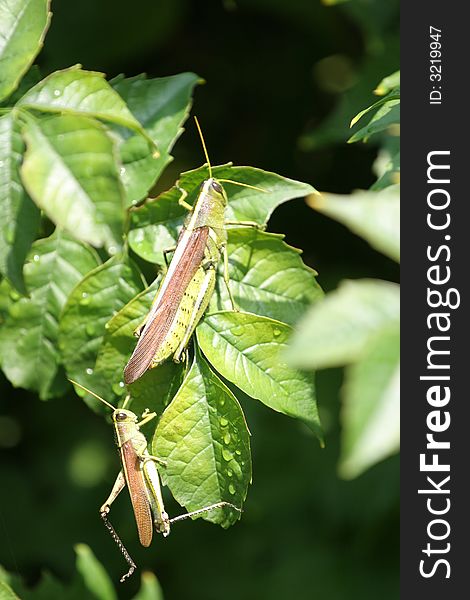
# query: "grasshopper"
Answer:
x=140 y=474
x=186 y=289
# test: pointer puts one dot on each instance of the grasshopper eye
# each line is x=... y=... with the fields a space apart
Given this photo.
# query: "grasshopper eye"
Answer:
x=121 y=416
x=216 y=187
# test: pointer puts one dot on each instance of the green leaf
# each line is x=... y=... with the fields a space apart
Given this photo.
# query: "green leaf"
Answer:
x=80 y=92
x=94 y=575
x=92 y=303
x=267 y=277
x=162 y=106
x=119 y=342
x=337 y=330
x=156 y=388
x=150 y=588
x=375 y=216
x=30 y=357
x=387 y=116
x=203 y=437
x=247 y=350
x=371 y=408
x=155 y=225
x=70 y=171
x=31 y=77
x=390 y=174
x=19 y=217
x=23 y=25
x=392 y=95
x=6 y=593
x=388 y=84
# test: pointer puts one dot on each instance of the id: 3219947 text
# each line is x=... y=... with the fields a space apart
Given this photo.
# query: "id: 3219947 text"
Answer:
x=435 y=65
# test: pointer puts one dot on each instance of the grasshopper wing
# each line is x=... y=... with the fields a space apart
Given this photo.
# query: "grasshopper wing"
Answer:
x=136 y=485
x=163 y=313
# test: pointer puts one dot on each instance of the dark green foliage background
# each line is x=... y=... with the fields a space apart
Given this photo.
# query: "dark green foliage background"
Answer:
x=304 y=533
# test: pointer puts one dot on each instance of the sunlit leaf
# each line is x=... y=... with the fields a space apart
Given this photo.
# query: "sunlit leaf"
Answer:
x=23 y=25
x=375 y=216
x=19 y=216
x=161 y=105
x=248 y=350
x=92 y=303
x=28 y=339
x=388 y=84
x=70 y=171
x=386 y=118
x=337 y=330
x=80 y=92
x=119 y=342
x=204 y=439
x=267 y=277
x=371 y=404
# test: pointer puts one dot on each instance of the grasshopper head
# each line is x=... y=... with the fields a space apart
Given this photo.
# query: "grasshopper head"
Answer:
x=215 y=190
x=121 y=415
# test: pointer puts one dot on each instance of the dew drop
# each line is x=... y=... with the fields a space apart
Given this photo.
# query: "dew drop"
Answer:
x=36 y=257
x=14 y=295
x=221 y=401
x=276 y=332
x=231 y=488
x=89 y=371
x=227 y=454
x=223 y=422
x=122 y=170
x=229 y=472
x=85 y=299
x=57 y=93
x=112 y=250
x=227 y=438
x=237 y=331
x=238 y=452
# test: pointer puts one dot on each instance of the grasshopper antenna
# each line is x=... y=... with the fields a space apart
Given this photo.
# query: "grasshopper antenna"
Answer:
x=204 y=147
x=204 y=510
x=247 y=185
x=92 y=393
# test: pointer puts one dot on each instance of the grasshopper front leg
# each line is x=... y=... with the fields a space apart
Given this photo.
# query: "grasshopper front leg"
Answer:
x=182 y=199
x=118 y=486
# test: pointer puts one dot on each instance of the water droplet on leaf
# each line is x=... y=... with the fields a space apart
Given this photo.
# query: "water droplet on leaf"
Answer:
x=89 y=371
x=36 y=257
x=223 y=422
x=227 y=454
x=231 y=488
x=227 y=438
